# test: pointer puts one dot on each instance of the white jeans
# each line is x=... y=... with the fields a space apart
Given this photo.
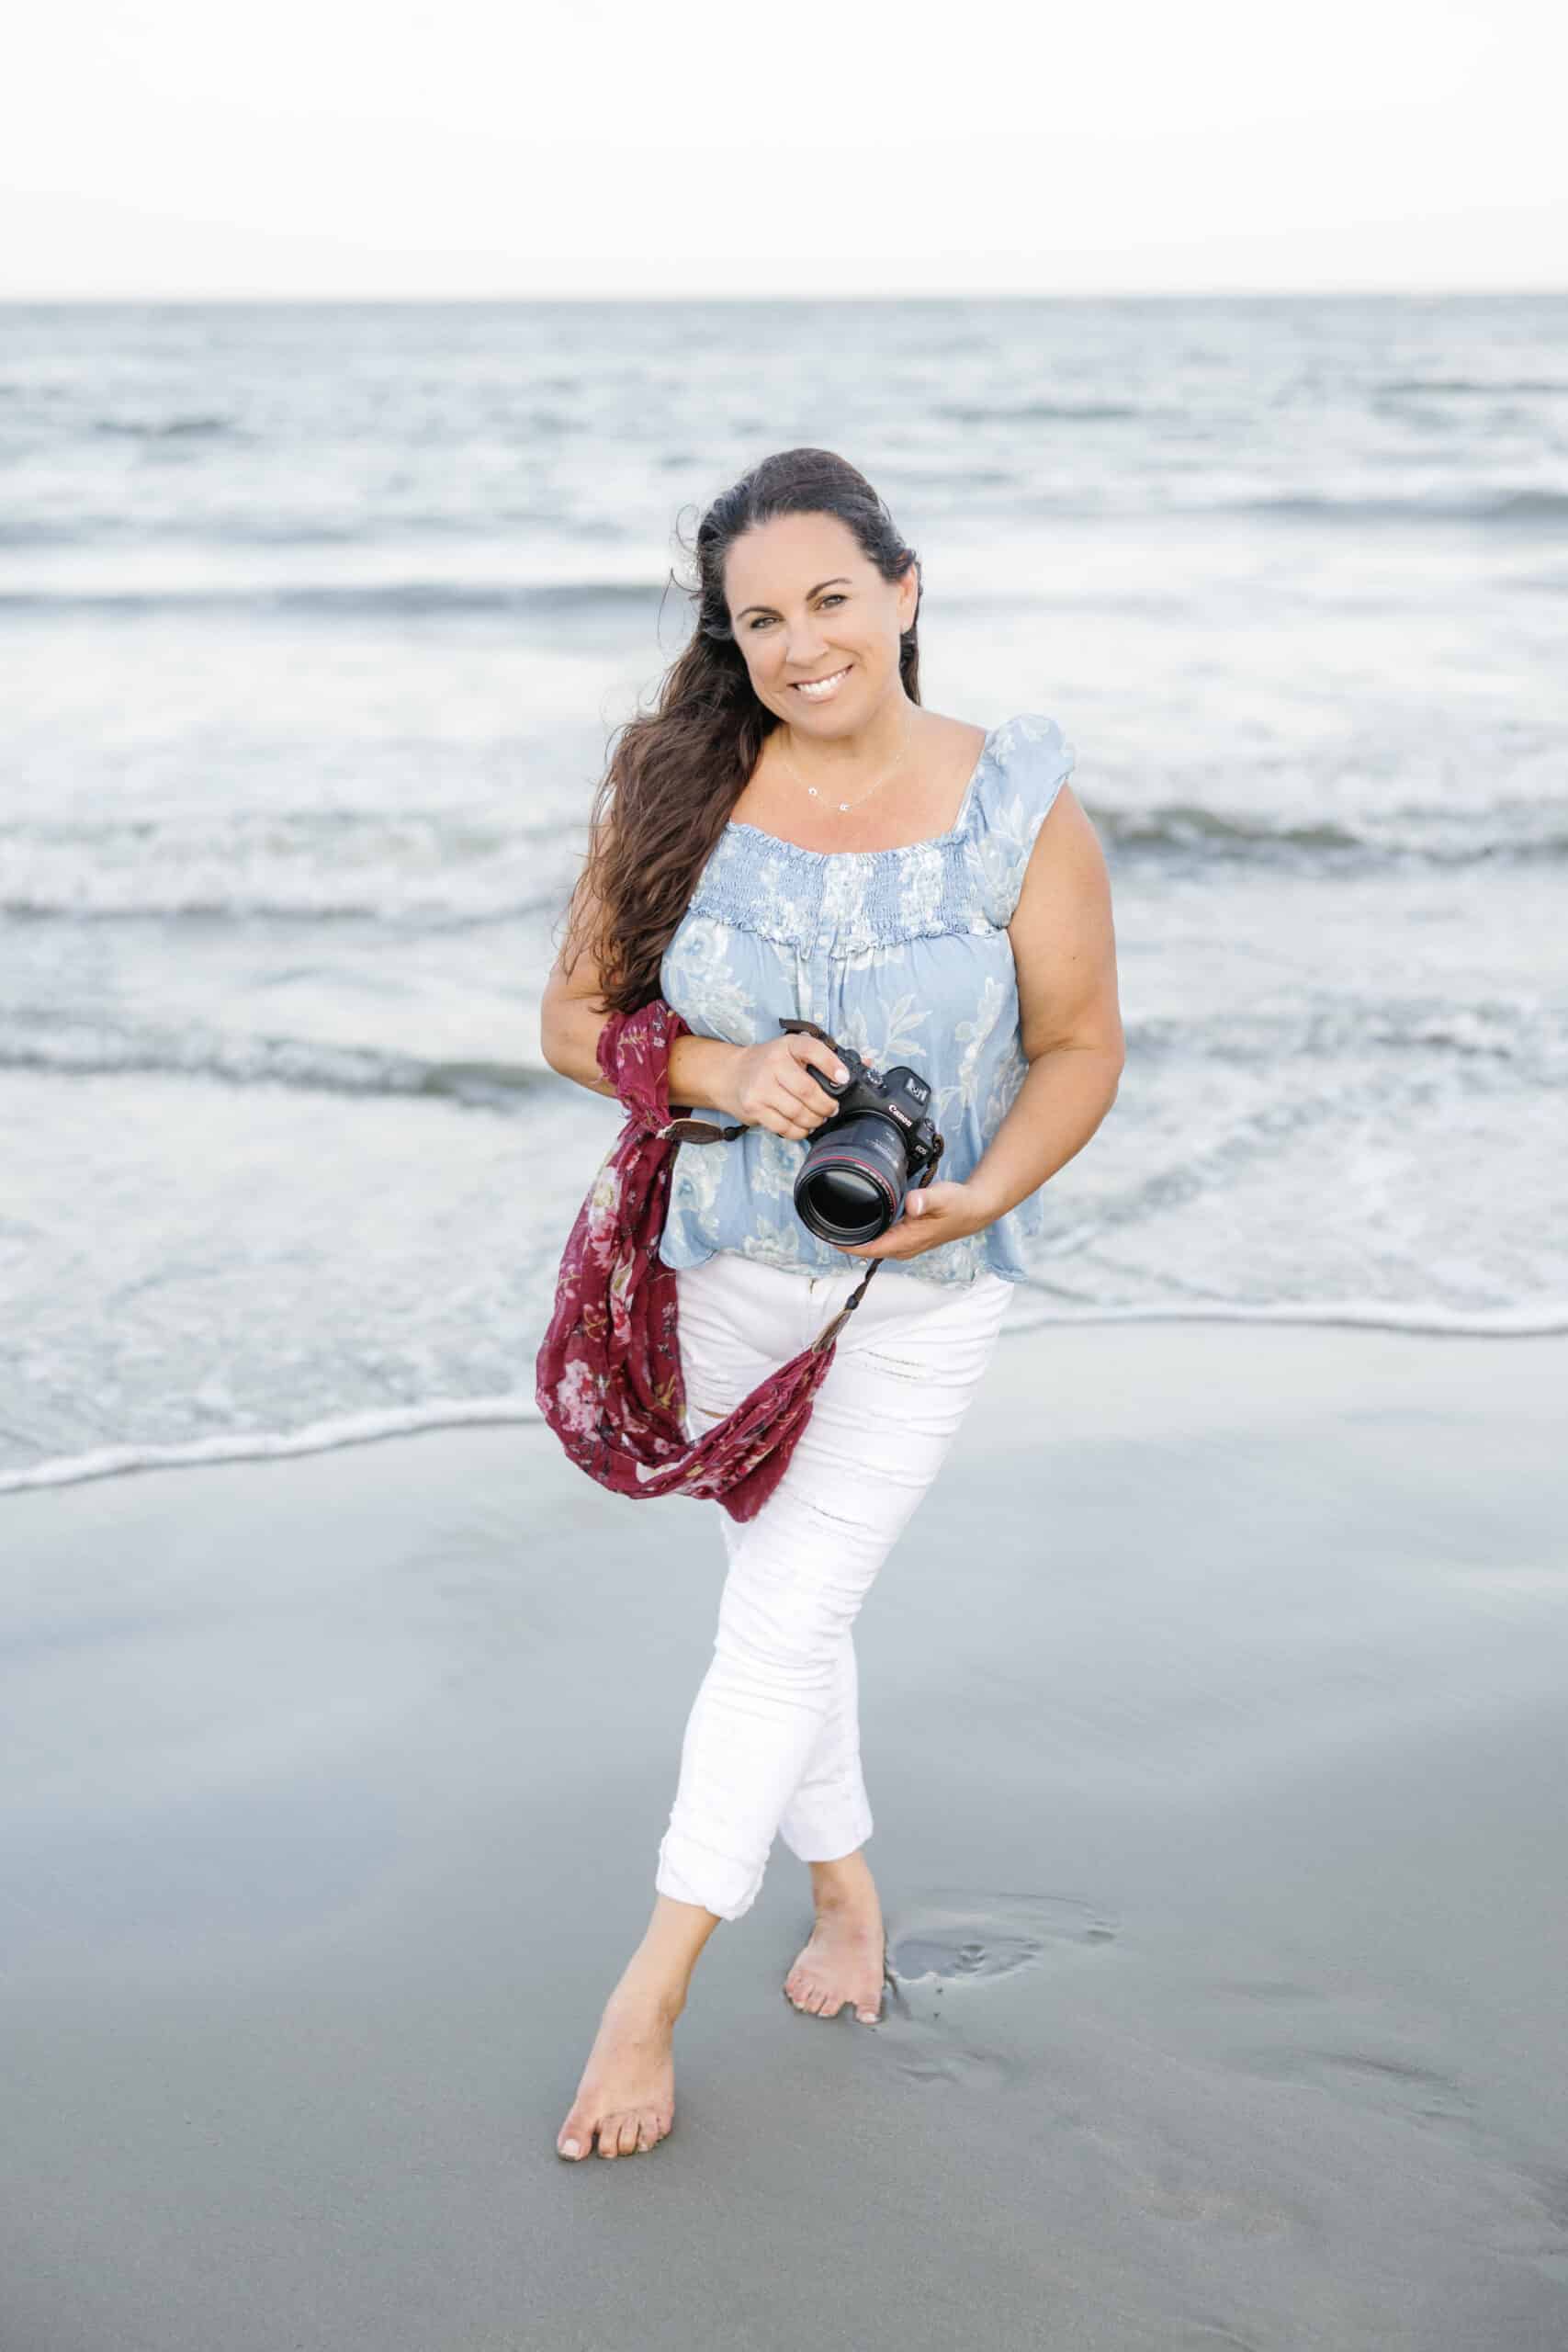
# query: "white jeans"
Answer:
x=773 y=1742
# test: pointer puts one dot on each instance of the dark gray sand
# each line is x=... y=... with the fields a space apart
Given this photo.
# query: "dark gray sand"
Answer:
x=1213 y=1711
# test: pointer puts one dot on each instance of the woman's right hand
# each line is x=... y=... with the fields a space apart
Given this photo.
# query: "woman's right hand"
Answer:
x=771 y=1084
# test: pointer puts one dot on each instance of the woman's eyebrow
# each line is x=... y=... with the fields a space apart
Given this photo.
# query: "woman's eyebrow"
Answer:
x=810 y=592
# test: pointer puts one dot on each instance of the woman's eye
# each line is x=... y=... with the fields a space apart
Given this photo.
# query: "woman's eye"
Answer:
x=835 y=597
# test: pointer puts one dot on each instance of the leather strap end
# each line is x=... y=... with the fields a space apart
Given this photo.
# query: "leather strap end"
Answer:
x=685 y=1129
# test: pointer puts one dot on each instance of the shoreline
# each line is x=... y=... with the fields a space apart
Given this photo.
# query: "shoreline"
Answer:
x=374 y=1426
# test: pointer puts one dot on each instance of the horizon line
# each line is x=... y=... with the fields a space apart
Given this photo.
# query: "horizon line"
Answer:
x=993 y=294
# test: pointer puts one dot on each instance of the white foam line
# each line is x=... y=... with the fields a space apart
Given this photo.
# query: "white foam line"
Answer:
x=320 y=1437
x=1369 y=1315
x=456 y=1412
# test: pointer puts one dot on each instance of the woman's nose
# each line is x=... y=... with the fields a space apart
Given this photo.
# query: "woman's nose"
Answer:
x=804 y=649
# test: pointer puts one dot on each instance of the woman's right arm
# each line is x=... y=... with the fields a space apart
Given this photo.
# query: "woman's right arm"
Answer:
x=573 y=1012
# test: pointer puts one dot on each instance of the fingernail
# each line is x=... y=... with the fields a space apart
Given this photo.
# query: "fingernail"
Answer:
x=840 y=1074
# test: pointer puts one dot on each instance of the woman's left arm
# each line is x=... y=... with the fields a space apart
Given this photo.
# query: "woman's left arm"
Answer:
x=1063 y=945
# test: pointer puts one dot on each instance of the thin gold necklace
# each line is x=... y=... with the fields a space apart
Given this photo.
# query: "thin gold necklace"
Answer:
x=845 y=805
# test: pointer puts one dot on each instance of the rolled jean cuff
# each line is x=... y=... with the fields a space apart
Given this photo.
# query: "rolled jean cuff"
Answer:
x=690 y=1871
x=830 y=1838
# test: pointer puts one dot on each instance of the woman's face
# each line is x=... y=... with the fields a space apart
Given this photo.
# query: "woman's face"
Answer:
x=804 y=603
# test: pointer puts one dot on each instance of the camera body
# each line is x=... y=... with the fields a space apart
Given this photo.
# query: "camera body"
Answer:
x=852 y=1184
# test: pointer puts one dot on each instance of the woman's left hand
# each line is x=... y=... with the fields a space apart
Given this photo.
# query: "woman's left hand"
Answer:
x=932 y=1214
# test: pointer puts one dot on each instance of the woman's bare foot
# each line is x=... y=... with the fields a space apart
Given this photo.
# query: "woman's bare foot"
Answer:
x=627 y=2092
x=627 y=2096
x=845 y=1957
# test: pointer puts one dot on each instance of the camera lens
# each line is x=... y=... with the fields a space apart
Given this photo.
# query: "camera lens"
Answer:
x=846 y=1197
x=851 y=1184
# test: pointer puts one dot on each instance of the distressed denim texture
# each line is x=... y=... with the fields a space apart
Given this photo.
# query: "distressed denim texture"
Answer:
x=773 y=1741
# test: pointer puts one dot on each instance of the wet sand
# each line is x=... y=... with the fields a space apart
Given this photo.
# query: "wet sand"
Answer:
x=1214 y=1727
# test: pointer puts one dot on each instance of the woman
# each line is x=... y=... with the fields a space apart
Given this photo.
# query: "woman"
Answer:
x=791 y=835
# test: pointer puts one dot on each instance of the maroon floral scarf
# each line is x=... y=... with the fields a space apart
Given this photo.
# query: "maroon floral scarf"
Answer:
x=608 y=1375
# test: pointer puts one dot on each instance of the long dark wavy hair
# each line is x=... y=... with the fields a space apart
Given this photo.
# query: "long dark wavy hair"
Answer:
x=676 y=771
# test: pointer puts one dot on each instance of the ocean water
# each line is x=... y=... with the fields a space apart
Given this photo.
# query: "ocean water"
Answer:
x=316 y=621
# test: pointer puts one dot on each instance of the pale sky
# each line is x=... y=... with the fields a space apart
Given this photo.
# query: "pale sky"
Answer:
x=174 y=148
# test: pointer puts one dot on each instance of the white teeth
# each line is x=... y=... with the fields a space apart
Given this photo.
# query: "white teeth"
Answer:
x=819 y=687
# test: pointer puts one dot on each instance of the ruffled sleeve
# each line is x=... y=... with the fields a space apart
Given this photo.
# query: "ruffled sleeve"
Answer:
x=1028 y=762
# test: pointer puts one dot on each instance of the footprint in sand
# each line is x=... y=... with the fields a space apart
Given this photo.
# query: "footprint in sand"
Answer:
x=1534 y=2228
x=948 y=1939
x=936 y=2058
x=1531 y=2224
x=955 y=1939
x=1371 y=2078
x=1201 y=2337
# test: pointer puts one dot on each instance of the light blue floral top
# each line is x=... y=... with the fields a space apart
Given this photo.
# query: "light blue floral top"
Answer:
x=903 y=954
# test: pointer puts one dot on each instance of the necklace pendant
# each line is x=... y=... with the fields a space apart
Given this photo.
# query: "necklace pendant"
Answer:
x=845 y=806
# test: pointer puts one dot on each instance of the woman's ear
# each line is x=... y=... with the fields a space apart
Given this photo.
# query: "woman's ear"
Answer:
x=908 y=598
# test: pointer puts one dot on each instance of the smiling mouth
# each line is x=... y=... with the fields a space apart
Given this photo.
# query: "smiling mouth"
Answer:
x=819 y=689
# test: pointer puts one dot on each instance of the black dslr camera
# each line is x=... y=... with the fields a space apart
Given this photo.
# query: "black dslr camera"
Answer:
x=849 y=1187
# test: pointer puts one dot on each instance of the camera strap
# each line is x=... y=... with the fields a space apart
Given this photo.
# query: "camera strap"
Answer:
x=825 y=1336
x=683 y=1128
